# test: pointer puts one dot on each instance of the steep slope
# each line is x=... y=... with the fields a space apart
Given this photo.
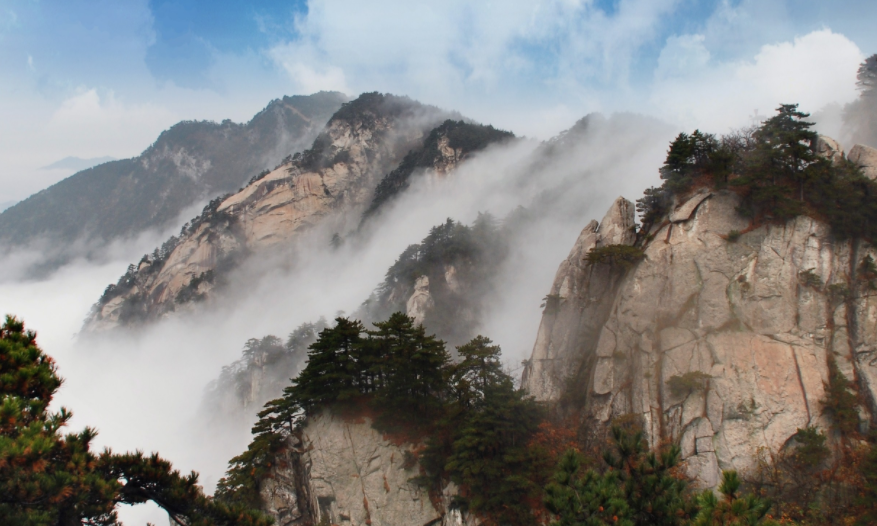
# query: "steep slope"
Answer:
x=337 y=471
x=336 y=177
x=445 y=146
x=189 y=162
x=722 y=343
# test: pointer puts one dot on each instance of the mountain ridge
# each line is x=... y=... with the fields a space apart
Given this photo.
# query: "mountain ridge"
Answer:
x=192 y=160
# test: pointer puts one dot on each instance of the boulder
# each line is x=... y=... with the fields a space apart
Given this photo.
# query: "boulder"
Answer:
x=865 y=158
x=829 y=148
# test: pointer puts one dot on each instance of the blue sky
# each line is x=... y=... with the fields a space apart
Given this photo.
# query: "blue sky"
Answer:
x=100 y=77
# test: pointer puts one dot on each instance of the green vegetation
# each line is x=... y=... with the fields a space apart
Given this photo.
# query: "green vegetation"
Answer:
x=551 y=304
x=190 y=293
x=49 y=478
x=480 y=426
x=733 y=509
x=638 y=487
x=615 y=256
x=811 y=450
x=840 y=401
x=463 y=138
x=733 y=236
x=776 y=171
x=474 y=255
x=809 y=278
x=688 y=383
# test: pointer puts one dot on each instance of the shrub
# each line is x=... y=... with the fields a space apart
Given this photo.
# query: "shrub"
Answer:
x=615 y=256
x=733 y=236
x=809 y=278
x=811 y=450
x=687 y=383
x=551 y=304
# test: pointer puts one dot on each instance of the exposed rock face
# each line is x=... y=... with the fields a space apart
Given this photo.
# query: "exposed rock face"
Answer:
x=581 y=296
x=865 y=158
x=336 y=177
x=830 y=149
x=758 y=318
x=421 y=301
x=347 y=473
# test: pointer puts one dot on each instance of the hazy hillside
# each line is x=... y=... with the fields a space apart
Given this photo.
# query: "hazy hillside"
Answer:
x=190 y=162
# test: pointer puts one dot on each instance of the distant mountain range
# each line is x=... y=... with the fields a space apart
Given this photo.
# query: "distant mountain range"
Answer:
x=191 y=162
x=77 y=163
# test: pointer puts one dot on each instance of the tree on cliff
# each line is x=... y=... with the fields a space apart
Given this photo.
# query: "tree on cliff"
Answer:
x=47 y=477
x=412 y=365
x=866 y=77
x=637 y=489
x=733 y=509
x=332 y=372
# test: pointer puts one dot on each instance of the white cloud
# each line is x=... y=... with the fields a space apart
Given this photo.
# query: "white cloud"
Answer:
x=92 y=124
x=484 y=59
x=813 y=70
x=682 y=56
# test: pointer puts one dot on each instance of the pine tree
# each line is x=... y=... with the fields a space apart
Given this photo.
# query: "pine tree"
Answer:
x=47 y=478
x=645 y=491
x=332 y=371
x=492 y=458
x=478 y=369
x=586 y=498
x=732 y=509
x=413 y=366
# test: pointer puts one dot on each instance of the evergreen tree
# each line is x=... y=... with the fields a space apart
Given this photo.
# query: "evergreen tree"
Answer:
x=413 y=367
x=866 y=77
x=332 y=372
x=645 y=491
x=493 y=460
x=868 y=496
x=47 y=478
x=585 y=498
x=478 y=370
x=781 y=164
x=732 y=509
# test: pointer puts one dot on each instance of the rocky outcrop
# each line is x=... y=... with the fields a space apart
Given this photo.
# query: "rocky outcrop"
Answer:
x=421 y=301
x=577 y=305
x=722 y=345
x=830 y=149
x=335 y=178
x=865 y=158
x=345 y=472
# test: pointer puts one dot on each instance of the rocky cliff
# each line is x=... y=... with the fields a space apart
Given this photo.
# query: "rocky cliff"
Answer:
x=333 y=180
x=721 y=338
x=344 y=472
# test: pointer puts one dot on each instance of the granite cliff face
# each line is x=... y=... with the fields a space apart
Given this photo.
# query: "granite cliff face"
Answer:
x=333 y=180
x=346 y=473
x=721 y=343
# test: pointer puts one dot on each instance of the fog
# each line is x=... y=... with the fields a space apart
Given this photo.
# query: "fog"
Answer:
x=142 y=388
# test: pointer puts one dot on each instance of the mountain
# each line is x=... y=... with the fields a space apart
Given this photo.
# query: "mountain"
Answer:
x=192 y=161
x=745 y=340
x=724 y=337
x=369 y=141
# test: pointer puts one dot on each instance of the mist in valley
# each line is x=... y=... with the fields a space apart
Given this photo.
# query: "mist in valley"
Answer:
x=144 y=387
